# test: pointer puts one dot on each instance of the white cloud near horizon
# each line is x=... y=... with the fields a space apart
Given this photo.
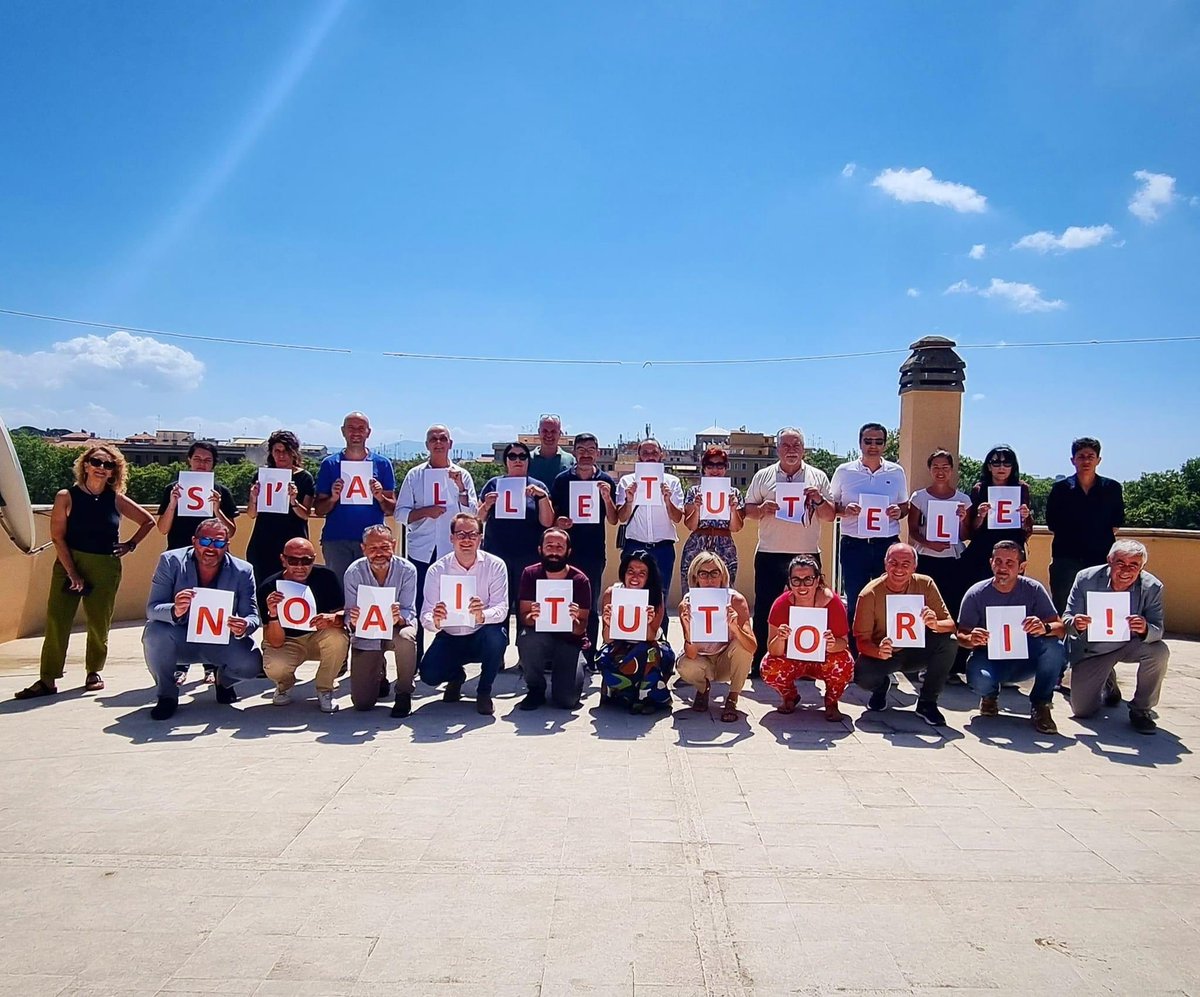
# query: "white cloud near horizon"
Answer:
x=912 y=292
x=1074 y=237
x=848 y=169
x=1022 y=297
x=978 y=251
x=921 y=186
x=1156 y=192
x=100 y=361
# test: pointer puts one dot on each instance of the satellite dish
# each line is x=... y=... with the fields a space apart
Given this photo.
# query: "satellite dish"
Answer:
x=16 y=513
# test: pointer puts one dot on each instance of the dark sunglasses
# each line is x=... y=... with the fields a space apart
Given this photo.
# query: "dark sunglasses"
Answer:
x=517 y=456
x=298 y=562
x=220 y=543
x=716 y=467
x=868 y=441
x=108 y=465
x=1000 y=462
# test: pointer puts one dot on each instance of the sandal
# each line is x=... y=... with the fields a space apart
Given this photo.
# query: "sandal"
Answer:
x=833 y=714
x=701 y=700
x=39 y=688
x=788 y=705
x=94 y=682
x=729 y=712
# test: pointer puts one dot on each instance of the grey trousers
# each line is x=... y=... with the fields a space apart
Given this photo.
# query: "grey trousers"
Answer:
x=1089 y=675
x=368 y=667
x=537 y=651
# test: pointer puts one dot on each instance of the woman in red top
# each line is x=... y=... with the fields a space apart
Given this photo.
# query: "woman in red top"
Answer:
x=806 y=587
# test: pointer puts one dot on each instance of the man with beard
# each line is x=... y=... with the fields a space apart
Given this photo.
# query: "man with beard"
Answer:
x=560 y=652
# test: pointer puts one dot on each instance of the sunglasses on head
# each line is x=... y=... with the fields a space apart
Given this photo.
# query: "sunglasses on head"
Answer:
x=220 y=543
x=108 y=465
x=298 y=562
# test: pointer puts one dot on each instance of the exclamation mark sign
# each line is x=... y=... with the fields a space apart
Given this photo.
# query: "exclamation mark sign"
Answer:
x=1108 y=615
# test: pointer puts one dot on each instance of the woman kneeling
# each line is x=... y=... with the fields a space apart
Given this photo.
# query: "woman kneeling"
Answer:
x=635 y=672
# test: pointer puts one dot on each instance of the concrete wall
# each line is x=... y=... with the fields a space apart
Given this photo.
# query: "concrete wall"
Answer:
x=24 y=580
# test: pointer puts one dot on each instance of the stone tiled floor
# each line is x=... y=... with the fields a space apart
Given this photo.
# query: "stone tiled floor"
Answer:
x=282 y=852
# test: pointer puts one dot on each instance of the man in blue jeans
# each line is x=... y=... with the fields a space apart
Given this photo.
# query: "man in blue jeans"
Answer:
x=1047 y=658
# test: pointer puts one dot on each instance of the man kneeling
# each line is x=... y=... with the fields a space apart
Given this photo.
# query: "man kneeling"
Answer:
x=559 y=651
x=1046 y=659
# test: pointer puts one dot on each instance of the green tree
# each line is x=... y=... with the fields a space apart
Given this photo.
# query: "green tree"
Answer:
x=146 y=484
x=46 y=467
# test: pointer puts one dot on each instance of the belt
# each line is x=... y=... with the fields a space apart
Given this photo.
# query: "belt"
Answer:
x=712 y=531
x=647 y=543
x=872 y=540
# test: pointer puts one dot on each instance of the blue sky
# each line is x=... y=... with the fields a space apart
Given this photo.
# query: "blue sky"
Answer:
x=674 y=180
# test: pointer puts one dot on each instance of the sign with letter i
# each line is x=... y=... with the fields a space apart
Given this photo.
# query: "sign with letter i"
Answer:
x=1006 y=635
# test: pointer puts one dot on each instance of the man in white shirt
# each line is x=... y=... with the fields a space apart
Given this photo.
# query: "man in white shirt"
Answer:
x=424 y=509
x=779 y=540
x=483 y=638
x=651 y=527
x=862 y=552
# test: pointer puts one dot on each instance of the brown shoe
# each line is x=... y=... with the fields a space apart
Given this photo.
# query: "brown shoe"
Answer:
x=1043 y=719
x=729 y=712
x=453 y=692
x=93 y=682
x=989 y=706
x=701 y=700
x=39 y=688
x=483 y=705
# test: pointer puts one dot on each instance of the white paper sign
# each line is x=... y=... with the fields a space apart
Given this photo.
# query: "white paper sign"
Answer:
x=510 y=498
x=554 y=598
x=1004 y=507
x=298 y=606
x=716 y=502
x=375 y=612
x=1109 y=612
x=585 y=502
x=710 y=615
x=273 y=489
x=208 y=616
x=807 y=639
x=1006 y=638
x=942 y=522
x=649 y=480
x=435 y=483
x=356 y=482
x=457 y=591
x=789 y=496
x=196 y=499
x=630 y=614
x=872 y=516
x=905 y=627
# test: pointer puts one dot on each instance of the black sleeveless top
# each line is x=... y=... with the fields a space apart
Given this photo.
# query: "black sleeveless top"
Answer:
x=94 y=523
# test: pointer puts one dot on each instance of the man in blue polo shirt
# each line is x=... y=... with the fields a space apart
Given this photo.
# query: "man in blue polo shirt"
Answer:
x=588 y=542
x=341 y=538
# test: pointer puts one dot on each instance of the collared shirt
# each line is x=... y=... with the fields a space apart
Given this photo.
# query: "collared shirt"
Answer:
x=1084 y=524
x=177 y=570
x=870 y=616
x=491 y=588
x=326 y=590
x=1145 y=600
x=588 y=542
x=428 y=539
x=854 y=479
x=401 y=577
x=650 y=523
x=549 y=468
x=779 y=536
x=1029 y=594
x=347 y=522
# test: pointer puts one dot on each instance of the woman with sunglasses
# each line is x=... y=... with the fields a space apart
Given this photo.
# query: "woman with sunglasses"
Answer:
x=1000 y=468
x=704 y=663
x=714 y=535
x=635 y=672
x=272 y=530
x=515 y=541
x=85 y=527
x=806 y=587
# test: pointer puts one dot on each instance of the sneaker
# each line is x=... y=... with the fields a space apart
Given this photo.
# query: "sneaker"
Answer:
x=180 y=676
x=878 y=700
x=225 y=693
x=403 y=705
x=531 y=701
x=210 y=676
x=483 y=705
x=326 y=703
x=453 y=692
x=1112 y=692
x=1043 y=719
x=164 y=708
x=930 y=713
x=1142 y=722
x=989 y=706
x=281 y=698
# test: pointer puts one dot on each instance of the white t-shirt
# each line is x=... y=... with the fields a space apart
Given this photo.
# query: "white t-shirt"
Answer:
x=921 y=500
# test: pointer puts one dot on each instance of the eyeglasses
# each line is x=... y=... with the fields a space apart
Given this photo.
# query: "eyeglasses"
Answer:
x=716 y=467
x=869 y=441
x=438 y=438
x=797 y=582
x=517 y=456
x=709 y=573
x=299 y=562
x=220 y=543
x=1000 y=462
x=466 y=535
x=108 y=465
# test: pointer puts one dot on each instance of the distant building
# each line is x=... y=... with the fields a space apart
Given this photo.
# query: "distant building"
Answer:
x=170 y=446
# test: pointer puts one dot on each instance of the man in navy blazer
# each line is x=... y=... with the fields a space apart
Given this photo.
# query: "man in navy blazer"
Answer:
x=206 y=564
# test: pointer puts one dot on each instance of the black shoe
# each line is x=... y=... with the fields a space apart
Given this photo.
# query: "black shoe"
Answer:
x=403 y=706
x=385 y=687
x=1112 y=693
x=483 y=705
x=226 y=694
x=345 y=668
x=1142 y=722
x=165 y=708
x=532 y=701
x=930 y=713
x=453 y=692
x=878 y=701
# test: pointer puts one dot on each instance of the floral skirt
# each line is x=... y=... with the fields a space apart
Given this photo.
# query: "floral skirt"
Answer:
x=636 y=672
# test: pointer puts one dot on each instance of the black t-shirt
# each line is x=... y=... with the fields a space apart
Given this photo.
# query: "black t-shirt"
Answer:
x=183 y=528
x=326 y=590
x=587 y=539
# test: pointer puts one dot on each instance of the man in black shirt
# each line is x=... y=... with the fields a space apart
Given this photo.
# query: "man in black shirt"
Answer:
x=1084 y=513
x=317 y=636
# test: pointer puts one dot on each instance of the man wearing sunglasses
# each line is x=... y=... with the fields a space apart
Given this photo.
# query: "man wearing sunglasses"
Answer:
x=286 y=647
x=207 y=563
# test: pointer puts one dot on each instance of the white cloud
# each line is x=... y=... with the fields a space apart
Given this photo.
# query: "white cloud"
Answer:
x=1073 y=237
x=1022 y=297
x=978 y=251
x=961 y=287
x=638 y=408
x=920 y=185
x=978 y=396
x=1156 y=192
x=120 y=358
x=912 y=292
x=848 y=169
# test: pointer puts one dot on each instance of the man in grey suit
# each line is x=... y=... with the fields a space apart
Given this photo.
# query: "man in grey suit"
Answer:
x=206 y=564
x=1093 y=663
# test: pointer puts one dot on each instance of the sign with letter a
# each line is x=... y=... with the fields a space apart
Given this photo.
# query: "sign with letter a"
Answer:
x=1006 y=637
x=196 y=499
x=1004 y=507
x=585 y=502
x=710 y=615
x=208 y=616
x=273 y=489
x=510 y=498
x=807 y=639
x=872 y=516
x=457 y=591
x=554 y=598
x=648 y=477
x=941 y=522
x=905 y=627
x=356 y=482
x=715 y=499
x=298 y=607
x=630 y=614
x=375 y=612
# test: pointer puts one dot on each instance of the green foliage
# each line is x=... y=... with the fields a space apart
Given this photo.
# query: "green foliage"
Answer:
x=1168 y=499
x=146 y=484
x=826 y=460
x=481 y=472
x=47 y=468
